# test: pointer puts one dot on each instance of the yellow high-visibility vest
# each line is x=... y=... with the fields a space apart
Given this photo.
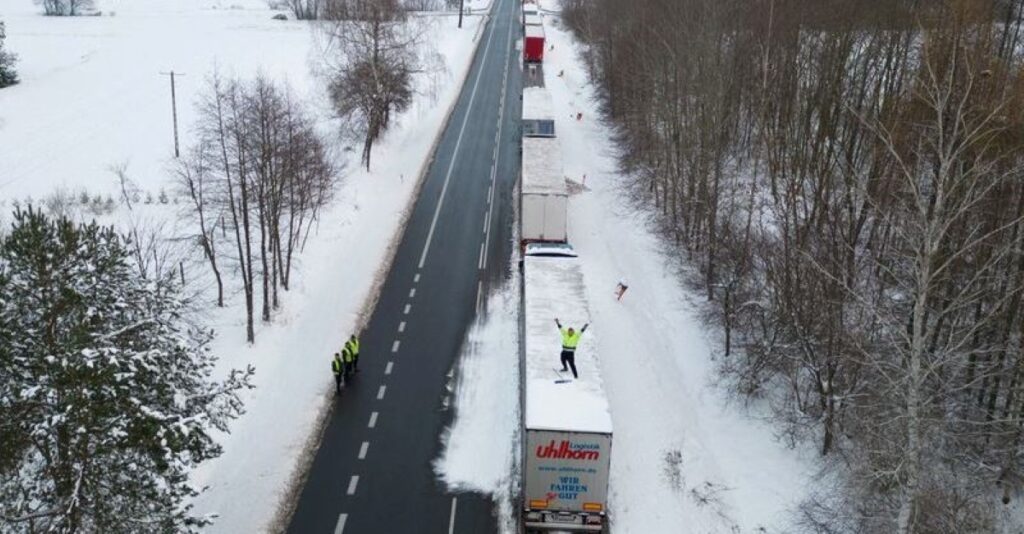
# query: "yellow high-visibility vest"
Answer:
x=570 y=341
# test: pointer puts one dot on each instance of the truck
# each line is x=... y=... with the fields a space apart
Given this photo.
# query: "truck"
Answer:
x=533 y=44
x=566 y=422
x=531 y=19
x=544 y=196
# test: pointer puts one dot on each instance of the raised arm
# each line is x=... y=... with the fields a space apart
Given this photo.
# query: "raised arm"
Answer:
x=558 y=323
x=584 y=329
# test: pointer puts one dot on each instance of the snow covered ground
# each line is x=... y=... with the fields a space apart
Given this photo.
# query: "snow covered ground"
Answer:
x=684 y=459
x=92 y=95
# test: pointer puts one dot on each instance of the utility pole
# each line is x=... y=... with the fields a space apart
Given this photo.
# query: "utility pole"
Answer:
x=174 y=109
x=461 y=4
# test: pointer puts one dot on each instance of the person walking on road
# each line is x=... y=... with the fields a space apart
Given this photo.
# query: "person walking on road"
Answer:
x=337 y=367
x=349 y=360
x=570 y=339
x=353 y=346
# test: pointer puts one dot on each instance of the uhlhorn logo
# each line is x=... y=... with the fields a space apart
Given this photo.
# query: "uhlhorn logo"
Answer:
x=563 y=450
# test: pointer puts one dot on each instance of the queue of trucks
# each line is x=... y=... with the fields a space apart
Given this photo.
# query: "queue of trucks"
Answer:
x=565 y=421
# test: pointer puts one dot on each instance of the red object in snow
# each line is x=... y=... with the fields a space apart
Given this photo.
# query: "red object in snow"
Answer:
x=533 y=44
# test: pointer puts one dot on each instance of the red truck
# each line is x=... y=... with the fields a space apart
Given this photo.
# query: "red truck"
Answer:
x=533 y=44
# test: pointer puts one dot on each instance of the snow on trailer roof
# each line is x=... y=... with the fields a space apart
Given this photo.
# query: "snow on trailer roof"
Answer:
x=542 y=166
x=534 y=30
x=532 y=19
x=537 y=104
x=553 y=287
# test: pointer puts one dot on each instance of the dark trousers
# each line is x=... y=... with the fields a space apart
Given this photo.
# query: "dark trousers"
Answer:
x=355 y=363
x=337 y=382
x=569 y=357
x=349 y=368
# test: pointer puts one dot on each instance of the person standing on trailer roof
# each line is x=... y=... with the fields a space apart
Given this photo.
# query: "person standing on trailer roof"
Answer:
x=570 y=340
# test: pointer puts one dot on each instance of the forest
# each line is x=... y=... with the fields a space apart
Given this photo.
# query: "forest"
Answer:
x=842 y=181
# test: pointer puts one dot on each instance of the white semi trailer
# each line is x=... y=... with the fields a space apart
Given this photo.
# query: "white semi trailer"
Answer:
x=567 y=426
x=544 y=196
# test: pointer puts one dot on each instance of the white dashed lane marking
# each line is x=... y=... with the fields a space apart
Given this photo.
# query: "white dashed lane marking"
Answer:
x=373 y=420
x=380 y=392
x=455 y=152
x=406 y=310
x=395 y=345
x=451 y=522
x=401 y=327
x=387 y=370
x=352 y=483
x=362 y=450
x=340 y=527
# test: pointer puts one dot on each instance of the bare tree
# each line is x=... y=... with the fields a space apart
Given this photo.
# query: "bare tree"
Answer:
x=260 y=168
x=371 y=57
x=306 y=9
x=194 y=174
x=66 y=8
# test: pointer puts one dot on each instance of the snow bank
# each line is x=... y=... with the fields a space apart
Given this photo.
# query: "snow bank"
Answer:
x=684 y=459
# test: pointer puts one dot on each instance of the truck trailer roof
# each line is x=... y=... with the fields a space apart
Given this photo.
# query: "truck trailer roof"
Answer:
x=534 y=30
x=553 y=287
x=542 y=167
x=537 y=104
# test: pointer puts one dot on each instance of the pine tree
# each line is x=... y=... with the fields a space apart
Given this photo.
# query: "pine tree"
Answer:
x=106 y=400
x=8 y=76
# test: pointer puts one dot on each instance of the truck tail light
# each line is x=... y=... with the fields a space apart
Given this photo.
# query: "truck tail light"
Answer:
x=593 y=506
x=538 y=503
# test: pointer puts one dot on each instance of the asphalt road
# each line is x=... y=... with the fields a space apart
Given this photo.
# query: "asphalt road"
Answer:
x=373 y=469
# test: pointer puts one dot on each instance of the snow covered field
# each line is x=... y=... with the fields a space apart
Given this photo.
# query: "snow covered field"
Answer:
x=92 y=95
x=684 y=459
